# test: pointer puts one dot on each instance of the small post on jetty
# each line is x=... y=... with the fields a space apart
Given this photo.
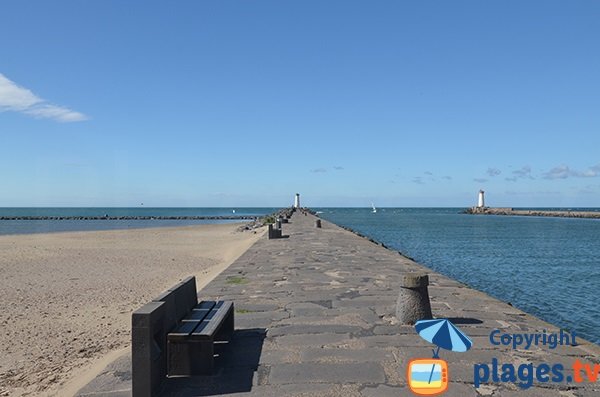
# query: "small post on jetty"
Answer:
x=413 y=300
x=273 y=233
x=481 y=200
x=297 y=201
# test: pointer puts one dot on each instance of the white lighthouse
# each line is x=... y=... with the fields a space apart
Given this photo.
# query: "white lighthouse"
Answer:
x=297 y=201
x=481 y=200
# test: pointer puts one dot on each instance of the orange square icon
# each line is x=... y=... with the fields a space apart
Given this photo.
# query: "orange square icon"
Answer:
x=427 y=376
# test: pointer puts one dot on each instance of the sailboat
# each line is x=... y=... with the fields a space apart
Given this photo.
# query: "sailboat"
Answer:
x=374 y=209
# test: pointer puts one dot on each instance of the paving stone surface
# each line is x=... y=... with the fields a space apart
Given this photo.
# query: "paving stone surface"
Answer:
x=315 y=316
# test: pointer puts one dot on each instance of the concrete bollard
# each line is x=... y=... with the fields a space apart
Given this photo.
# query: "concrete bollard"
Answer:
x=273 y=232
x=318 y=223
x=278 y=223
x=413 y=299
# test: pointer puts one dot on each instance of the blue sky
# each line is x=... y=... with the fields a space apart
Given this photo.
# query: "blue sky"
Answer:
x=244 y=103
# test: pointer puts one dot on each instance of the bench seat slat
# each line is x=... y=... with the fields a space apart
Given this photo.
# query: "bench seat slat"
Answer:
x=203 y=322
x=195 y=318
x=213 y=320
x=196 y=315
x=200 y=311
x=185 y=328
x=205 y=305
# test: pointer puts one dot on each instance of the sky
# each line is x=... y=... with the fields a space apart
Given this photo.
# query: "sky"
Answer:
x=239 y=103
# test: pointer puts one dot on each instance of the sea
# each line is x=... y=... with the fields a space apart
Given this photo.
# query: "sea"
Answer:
x=548 y=267
x=50 y=226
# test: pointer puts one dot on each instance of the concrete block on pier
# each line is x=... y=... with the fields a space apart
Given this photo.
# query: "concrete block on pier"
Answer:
x=274 y=232
x=413 y=299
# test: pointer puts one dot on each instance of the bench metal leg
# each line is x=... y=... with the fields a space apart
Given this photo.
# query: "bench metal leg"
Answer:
x=190 y=357
x=227 y=327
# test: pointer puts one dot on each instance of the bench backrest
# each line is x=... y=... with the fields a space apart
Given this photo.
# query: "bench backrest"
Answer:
x=150 y=325
x=179 y=300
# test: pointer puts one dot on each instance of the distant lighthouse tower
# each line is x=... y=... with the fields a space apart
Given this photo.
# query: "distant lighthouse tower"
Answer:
x=297 y=201
x=481 y=200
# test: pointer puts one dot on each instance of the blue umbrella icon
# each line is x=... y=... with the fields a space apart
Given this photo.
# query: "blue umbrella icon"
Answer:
x=443 y=334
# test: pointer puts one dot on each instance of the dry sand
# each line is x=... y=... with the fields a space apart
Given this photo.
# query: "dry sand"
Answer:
x=67 y=298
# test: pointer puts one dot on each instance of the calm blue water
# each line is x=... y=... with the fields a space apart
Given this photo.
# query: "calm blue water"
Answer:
x=549 y=267
x=29 y=226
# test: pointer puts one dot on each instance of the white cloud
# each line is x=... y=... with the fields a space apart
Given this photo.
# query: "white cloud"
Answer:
x=14 y=98
x=493 y=171
x=592 y=171
x=560 y=172
x=522 y=173
x=58 y=113
x=540 y=192
x=564 y=171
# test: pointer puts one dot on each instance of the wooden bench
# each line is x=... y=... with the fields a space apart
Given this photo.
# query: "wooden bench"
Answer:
x=190 y=347
x=174 y=335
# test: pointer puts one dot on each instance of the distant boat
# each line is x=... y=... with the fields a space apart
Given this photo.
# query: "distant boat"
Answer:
x=233 y=211
x=374 y=209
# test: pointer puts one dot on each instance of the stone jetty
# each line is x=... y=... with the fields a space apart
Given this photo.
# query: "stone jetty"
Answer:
x=315 y=315
x=513 y=212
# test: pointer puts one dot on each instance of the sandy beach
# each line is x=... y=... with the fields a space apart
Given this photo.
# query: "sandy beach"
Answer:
x=67 y=298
